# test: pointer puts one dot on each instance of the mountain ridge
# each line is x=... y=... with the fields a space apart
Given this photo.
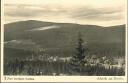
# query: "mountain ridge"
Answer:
x=31 y=21
x=64 y=38
x=19 y=30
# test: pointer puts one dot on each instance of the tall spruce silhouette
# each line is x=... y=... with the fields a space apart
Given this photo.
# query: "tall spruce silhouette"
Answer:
x=78 y=59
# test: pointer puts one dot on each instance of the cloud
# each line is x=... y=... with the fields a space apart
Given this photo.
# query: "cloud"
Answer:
x=99 y=14
x=32 y=10
x=81 y=14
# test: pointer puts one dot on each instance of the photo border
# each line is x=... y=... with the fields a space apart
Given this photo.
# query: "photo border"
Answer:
x=61 y=79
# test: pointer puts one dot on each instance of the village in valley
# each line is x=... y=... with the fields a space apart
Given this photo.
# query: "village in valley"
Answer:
x=107 y=62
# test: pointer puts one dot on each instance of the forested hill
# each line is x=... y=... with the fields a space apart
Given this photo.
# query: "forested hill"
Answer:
x=62 y=33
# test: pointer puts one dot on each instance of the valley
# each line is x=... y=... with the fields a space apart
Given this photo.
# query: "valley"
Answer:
x=48 y=45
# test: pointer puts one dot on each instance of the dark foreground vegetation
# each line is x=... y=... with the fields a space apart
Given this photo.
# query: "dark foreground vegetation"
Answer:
x=17 y=67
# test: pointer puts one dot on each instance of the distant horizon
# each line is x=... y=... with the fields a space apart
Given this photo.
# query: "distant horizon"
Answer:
x=61 y=22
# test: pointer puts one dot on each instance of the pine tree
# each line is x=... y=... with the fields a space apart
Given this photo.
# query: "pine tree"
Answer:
x=77 y=61
x=80 y=50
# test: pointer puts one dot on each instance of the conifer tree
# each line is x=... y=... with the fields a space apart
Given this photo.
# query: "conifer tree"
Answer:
x=77 y=61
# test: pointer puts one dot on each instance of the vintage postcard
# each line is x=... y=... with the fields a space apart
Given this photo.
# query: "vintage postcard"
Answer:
x=64 y=41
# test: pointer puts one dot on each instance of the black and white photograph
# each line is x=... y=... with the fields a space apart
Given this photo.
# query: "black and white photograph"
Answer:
x=64 y=38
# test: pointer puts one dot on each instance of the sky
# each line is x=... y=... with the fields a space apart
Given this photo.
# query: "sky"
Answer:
x=94 y=12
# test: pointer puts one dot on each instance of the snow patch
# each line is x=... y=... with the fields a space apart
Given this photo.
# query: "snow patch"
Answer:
x=45 y=28
x=13 y=41
x=26 y=42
